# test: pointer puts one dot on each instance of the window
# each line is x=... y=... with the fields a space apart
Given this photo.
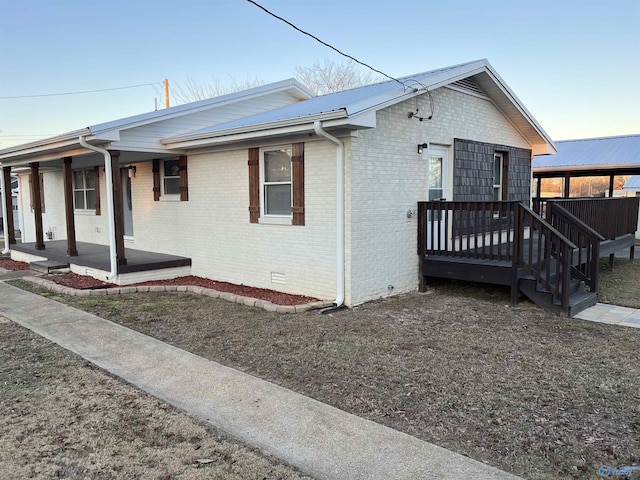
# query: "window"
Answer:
x=497 y=176
x=84 y=189
x=276 y=181
x=276 y=184
x=170 y=177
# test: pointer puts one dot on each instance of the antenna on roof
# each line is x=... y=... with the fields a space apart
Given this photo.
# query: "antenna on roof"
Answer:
x=166 y=92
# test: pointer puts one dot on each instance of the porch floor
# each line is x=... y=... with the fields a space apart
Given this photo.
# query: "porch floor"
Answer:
x=97 y=256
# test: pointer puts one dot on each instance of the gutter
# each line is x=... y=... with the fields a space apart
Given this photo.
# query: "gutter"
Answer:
x=340 y=260
x=5 y=226
x=113 y=261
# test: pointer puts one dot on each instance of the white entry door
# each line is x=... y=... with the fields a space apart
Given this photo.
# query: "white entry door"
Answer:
x=437 y=175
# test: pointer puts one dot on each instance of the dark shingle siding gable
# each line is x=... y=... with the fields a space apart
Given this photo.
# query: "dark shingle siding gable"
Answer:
x=473 y=171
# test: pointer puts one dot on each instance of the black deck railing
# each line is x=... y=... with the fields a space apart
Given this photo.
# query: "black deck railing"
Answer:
x=586 y=261
x=506 y=231
x=481 y=230
x=610 y=217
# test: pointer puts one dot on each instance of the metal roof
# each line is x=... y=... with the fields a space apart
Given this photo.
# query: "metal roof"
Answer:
x=592 y=153
x=350 y=108
x=350 y=103
x=633 y=182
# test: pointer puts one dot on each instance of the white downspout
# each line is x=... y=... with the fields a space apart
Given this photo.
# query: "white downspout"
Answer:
x=5 y=222
x=113 y=261
x=340 y=260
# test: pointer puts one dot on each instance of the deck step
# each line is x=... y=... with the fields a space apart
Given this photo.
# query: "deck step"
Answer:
x=580 y=301
x=48 y=266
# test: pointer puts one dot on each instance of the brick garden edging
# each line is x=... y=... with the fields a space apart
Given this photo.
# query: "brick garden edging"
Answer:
x=207 y=292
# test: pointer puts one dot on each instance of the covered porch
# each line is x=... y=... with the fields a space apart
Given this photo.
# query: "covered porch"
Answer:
x=94 y=260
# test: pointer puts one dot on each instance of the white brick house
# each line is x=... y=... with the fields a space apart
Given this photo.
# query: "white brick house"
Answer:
x=275 y=188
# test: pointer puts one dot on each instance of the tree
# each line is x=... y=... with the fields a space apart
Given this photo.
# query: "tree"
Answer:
x=331 y=76
x=321 y=78
x=192 y=90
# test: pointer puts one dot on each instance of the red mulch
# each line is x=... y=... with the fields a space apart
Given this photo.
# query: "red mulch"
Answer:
x=84 y=282
x=13 y=265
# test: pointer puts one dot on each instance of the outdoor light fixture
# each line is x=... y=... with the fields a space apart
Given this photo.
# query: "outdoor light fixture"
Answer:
x=422 y=146
x=132 y=171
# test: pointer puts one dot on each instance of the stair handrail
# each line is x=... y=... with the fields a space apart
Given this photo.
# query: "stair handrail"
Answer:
x=586 y=265
x=556 y=246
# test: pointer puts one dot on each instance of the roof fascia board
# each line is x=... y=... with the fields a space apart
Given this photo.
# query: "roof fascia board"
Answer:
x=519 y=105
x=68 y=138
x=136 y=148
x=560 y=169
x=254 y=129
x=244 y=136
x=542 y=149
x=44 y=157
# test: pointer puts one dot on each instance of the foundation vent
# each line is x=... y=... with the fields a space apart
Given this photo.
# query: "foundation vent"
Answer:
x=278 y=278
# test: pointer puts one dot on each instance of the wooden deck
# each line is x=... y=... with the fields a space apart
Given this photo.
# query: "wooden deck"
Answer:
x=553 y=260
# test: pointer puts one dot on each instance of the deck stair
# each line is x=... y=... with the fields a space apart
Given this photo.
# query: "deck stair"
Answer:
x=553 y=258
x=49 y=266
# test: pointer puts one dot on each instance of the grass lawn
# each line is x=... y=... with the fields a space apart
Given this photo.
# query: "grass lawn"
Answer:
x=61 y=417
x=620 y=286
x=532 y=393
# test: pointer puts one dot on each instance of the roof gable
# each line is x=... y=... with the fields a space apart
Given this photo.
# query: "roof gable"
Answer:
x=355 y=102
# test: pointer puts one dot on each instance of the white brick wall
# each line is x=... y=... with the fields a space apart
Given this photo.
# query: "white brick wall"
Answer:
x=213 y=227
x=386 y=176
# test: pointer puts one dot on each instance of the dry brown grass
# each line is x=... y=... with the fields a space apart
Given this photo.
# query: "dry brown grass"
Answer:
x=620 y=286
x=60 y=417
x=532 y=393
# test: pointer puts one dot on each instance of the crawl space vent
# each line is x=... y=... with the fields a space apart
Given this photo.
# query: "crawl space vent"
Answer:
x=278 y=278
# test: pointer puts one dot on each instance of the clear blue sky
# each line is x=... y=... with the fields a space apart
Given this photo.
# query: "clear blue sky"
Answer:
x=575 y=64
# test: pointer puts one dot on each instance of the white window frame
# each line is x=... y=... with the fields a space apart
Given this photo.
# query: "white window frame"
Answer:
x=84 y=190
x=274 y=218
x=164 y=194
x=497 y=186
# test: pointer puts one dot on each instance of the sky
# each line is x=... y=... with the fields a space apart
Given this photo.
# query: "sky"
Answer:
x=574 y=64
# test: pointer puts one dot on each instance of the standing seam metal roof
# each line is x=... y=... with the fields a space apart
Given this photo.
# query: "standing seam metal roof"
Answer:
x=593 y=152
x=351 y=101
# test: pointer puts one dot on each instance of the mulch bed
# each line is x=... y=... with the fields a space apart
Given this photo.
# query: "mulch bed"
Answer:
x=82 y=282
x=13 y=265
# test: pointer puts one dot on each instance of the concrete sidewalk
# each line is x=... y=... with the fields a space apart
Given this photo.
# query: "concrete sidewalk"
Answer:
x=320 y=440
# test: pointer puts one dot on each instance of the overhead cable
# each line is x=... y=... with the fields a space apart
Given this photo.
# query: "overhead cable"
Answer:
x=331 y=46
x=80 y=92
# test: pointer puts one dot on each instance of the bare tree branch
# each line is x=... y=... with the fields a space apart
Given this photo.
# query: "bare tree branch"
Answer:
x=330 y=76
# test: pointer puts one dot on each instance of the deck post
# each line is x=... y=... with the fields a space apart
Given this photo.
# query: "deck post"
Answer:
x=117 y=206
x=11 y=229
x=518 y=236
x=72 y=249
x=36 y=205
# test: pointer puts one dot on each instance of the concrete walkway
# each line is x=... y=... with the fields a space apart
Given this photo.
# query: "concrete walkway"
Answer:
x=612 y=314
x=320 y=440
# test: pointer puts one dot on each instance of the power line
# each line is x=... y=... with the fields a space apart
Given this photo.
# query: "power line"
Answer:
x=330 y=46
x=81 y=92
